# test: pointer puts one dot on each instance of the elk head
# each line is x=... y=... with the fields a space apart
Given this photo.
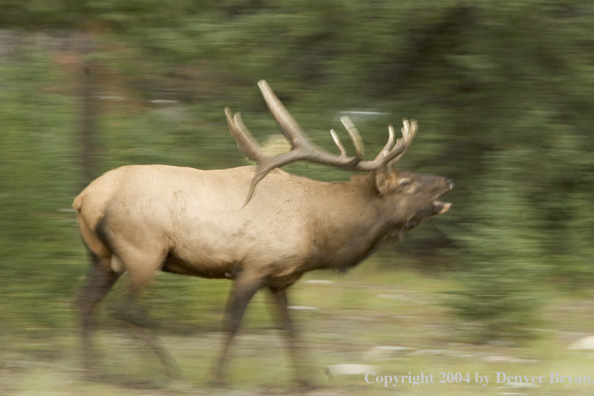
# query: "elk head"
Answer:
x=411 y=197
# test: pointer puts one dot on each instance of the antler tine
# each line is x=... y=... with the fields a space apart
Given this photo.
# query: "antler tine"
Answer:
x=287 y=124
x=250 y=148
x=389 y=154
x=391 y=136
x=354 y=134
x=338 y=143
x=265 y=165
x=242 y=135
x=409 y=129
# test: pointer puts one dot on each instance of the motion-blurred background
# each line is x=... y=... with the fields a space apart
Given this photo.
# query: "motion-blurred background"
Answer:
x=504 y=95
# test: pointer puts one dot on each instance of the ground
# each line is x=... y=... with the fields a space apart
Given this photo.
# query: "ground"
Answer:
x=343 y=320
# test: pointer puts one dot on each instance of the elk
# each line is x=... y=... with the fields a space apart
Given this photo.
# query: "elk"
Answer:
x=141 y=219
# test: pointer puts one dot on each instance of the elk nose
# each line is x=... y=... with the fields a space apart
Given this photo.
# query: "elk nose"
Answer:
x=450 y=183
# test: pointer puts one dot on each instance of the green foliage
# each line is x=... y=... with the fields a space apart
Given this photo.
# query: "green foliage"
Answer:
x=503 y=92
x=500 y=260
x=568 y=218
x=37 y=181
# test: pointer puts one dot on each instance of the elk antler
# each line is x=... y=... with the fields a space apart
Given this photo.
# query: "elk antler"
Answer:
x=303 y=149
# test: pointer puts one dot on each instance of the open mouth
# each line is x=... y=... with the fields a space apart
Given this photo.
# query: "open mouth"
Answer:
x=442 y=207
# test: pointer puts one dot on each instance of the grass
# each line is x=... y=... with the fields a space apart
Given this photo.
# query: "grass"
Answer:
x=367 y=308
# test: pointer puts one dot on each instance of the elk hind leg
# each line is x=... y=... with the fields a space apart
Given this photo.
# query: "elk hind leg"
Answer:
x=136 y=316
x=100 y=279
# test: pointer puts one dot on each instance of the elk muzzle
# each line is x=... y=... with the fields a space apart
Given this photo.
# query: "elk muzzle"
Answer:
x=442 y=207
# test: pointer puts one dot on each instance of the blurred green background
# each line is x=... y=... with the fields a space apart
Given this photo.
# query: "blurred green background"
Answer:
x=503 y=92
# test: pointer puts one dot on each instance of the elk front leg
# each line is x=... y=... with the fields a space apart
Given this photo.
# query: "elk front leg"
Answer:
x=241 y=293
x=293 y=345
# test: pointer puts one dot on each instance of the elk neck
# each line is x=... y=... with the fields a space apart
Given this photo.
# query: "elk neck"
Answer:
x=347 y=224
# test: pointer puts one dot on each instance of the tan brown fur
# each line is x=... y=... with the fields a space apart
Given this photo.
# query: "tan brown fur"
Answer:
x=197 y=217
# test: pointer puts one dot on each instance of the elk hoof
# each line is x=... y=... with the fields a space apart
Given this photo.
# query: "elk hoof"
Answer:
x=174 y=373
x=218 y=383
x=304 y=385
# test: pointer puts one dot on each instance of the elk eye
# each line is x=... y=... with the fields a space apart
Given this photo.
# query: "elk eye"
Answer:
x=405 y=184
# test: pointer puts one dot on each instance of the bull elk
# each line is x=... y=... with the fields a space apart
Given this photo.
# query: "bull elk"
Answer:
x=141 y=219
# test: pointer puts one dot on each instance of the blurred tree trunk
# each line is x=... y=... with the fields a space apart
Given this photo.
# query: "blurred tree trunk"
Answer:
x=88 y=113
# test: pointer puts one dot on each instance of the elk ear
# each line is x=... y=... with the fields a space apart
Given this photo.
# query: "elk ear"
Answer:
x=385 y=180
